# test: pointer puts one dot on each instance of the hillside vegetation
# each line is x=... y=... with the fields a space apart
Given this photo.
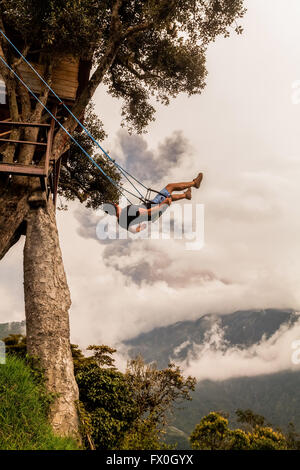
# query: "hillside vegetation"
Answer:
x=23 y=411
x=130 y=411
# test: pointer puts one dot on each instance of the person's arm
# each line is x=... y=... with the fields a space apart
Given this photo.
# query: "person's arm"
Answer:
x=156 y=208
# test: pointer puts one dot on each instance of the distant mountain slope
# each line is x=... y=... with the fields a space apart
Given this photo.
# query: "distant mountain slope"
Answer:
x=241 y=328
x=12 y=328
x=276 y=396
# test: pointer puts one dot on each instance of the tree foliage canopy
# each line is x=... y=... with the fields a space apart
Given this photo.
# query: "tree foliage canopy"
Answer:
x=127 y=411
x=141 y=50
x=80 y=179
x=213 y=433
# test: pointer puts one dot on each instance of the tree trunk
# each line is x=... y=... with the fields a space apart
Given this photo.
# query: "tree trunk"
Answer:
x=13 y=209
x=47 y=302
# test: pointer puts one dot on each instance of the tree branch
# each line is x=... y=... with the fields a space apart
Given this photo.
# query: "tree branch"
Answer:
x=115 y=24
x=3 y=42
x=18 y=61
x=82 y=197
x=82 y=101
x=137 y=29
x=44 y=97
x=25 y=102
x=141 y=76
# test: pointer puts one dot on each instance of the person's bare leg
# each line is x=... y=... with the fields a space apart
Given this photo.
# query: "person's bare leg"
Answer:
x=186 y=195
x=179 y=186
x=185 y=185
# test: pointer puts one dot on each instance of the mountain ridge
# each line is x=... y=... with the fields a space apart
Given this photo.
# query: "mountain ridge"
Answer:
x=242 y=328
x=273 y=395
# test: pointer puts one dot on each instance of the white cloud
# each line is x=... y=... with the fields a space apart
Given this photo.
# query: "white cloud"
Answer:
x=215 y=359
x=11 y=285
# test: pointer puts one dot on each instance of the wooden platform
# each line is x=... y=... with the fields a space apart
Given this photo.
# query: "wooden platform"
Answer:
x=23 y=124
x=22 y=170
x=17 y=169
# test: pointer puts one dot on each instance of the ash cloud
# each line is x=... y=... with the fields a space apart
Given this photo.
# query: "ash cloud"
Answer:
x=146 y=264
x=147 y=164
x=88 y=221
x=143 y=163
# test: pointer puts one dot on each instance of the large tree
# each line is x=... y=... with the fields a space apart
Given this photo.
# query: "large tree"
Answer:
x=140 y=49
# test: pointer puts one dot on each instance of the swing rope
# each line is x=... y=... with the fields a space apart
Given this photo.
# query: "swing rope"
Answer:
x=121 y=169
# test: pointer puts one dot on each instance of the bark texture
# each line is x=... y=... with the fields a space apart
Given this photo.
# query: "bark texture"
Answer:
x=47 y=303
x=13 y=209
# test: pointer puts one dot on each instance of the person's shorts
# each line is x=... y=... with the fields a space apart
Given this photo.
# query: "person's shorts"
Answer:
x=159 y=198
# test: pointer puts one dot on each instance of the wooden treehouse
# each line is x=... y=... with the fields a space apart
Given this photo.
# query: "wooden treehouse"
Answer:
x=69 y=76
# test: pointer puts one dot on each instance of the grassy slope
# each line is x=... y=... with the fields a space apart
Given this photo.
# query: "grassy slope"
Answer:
x=23 y=416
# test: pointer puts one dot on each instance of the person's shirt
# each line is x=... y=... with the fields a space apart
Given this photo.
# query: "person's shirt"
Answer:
x=130 y=215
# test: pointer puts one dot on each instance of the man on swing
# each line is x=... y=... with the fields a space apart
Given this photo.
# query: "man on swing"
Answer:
x=132 y=216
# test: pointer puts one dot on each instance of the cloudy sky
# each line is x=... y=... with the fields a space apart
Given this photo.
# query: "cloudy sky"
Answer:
x=243 y=133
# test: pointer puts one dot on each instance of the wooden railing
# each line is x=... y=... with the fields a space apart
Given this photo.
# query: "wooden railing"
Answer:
x=29 y=170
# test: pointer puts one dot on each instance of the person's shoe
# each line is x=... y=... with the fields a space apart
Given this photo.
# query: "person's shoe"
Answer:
x=197 y=181
x=188 y=194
